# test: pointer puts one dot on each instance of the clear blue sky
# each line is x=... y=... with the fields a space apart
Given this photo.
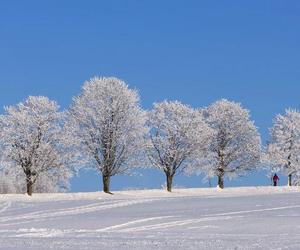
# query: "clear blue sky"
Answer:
x=193 y=51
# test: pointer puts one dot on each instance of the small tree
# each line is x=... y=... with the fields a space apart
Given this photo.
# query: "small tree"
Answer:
x=283 y=151
x=236 y=144
x=178 y=135
x=31 y=139
x=106 y=125
x=12 y=181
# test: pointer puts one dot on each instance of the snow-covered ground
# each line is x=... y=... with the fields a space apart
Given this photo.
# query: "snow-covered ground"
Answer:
x=234 y=218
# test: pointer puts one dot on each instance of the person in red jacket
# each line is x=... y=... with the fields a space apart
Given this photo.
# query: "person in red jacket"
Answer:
x=275 y=180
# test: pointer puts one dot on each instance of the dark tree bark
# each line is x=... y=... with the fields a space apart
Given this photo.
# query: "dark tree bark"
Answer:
x=221 y=181
x=221 y=167
x=290 y=180
x=29 y=181
x=29 y=187
x=169 y=182
x=221 y=174
x=106 y=184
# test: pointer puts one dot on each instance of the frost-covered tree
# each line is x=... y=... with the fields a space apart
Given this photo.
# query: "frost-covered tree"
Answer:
x=31 y=138
x=236 y=143
x=8 y=183
x=108 y=126
x=178 y=135
x=283 y=150
x=12 y=181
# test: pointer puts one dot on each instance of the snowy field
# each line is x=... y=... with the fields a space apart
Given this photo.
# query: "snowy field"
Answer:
x=234 y=218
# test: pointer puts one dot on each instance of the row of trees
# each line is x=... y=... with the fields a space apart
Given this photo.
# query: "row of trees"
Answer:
x=105 y=128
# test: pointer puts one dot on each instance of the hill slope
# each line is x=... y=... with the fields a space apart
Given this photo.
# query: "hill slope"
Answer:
x=234 y=218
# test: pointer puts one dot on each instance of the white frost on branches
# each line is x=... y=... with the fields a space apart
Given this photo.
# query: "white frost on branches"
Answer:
x=31 y=138
x=12 y=181
x=283 y=151
x=178 y=135
x=236 y=143
x=107 y=125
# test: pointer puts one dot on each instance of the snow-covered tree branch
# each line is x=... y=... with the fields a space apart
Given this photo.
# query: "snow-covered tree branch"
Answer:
x=107 y=126
x=31 y=138
x=178 y=135
x=236 y=143
x=283 y=151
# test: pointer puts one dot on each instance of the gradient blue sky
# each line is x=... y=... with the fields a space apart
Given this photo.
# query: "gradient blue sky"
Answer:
x=193 y=51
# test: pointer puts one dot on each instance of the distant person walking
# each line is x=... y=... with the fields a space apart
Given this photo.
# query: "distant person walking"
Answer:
x=275 y=180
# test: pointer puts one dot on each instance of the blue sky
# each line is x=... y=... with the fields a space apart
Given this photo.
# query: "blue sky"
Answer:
x=193 y=51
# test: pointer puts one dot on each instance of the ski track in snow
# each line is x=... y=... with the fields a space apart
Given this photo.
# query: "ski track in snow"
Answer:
x=211 y=217
x=5 y=207
x=71 y=211
x=258 y=210
x=125 y=227
x=174 y=224
x=113 y=228
x=46 y=232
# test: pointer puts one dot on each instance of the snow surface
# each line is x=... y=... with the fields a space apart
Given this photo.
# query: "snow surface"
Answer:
x=234 y=218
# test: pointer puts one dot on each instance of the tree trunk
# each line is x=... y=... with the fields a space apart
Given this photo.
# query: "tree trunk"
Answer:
x=29 y=188
x=221 y=181
x=290 y=180
x=169 y=182
x=106 y=184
